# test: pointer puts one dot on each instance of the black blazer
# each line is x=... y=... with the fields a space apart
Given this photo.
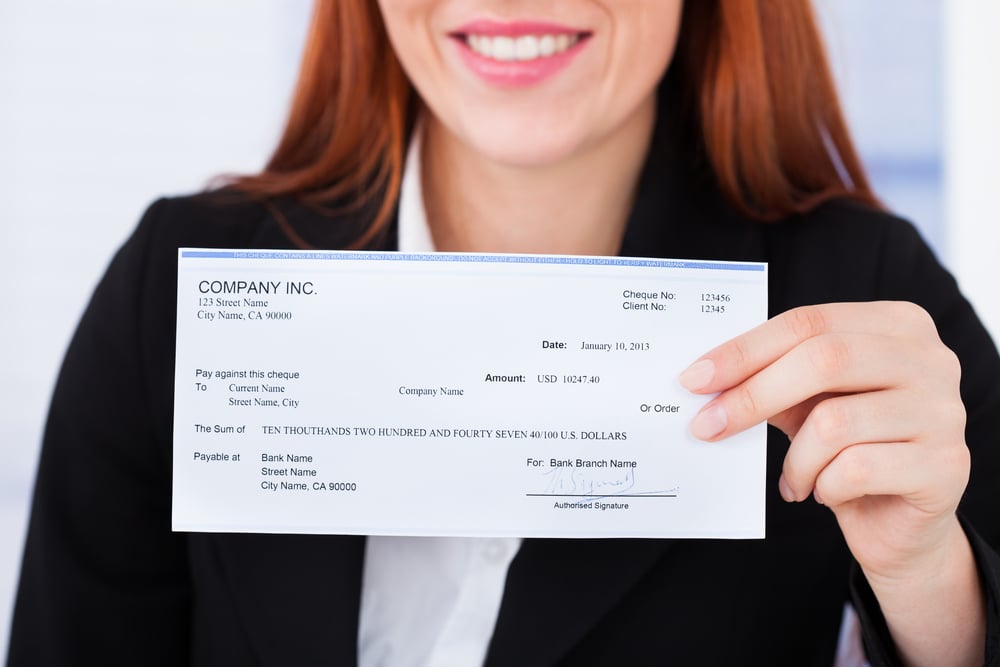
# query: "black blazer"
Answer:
x=105 y=581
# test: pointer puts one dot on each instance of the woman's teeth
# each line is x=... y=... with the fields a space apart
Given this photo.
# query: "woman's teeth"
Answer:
x=526 y=47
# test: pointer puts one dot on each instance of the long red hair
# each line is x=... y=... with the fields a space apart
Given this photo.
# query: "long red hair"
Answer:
x=762 y=98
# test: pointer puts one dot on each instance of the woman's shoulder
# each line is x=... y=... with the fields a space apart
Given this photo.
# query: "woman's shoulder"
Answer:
x=148 y=258
x=845 y=226
x=221 y=218
x=229 y=218
x=853 y=251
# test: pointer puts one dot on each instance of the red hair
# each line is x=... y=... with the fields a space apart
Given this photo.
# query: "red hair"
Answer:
x=755 y=72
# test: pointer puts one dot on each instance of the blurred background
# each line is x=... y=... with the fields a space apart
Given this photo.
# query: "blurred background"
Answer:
x=106 y=105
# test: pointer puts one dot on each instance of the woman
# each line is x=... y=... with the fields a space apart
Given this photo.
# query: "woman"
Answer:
x=639 y=127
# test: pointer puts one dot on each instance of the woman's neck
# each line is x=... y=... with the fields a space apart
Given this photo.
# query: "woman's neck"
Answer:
x=578 y=206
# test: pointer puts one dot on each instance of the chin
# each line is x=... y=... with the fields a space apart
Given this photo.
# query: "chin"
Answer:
x=526 y=157
x=525 y=145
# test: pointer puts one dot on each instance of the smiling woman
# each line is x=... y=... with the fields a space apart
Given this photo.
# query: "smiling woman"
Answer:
x=354 y=107
x=654 y=128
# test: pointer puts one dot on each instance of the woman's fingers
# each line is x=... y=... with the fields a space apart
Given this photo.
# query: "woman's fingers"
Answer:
x=925 y=475
x=867 y=393
x=837 y=363
x=838 y=423
x=740 y=358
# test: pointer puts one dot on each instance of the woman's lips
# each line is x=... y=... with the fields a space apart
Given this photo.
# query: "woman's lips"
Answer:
x=517 y=53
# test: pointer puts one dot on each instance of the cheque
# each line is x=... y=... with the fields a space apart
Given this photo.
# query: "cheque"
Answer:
x=456 y=394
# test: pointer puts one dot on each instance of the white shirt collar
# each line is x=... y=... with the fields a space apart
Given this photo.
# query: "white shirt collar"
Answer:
x=414 y=232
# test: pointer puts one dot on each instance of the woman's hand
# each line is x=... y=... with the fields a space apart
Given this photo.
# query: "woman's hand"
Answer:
x=869 y=397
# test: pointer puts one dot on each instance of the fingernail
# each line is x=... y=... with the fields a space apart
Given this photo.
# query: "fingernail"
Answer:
x=709 y=423
x=785 y=490
x=698 y=375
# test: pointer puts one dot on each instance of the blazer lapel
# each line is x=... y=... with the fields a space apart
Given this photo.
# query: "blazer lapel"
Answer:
x=557 y=590
x=296 y=595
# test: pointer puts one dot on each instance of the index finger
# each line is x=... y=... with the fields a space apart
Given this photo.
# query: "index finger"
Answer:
x=739 y=358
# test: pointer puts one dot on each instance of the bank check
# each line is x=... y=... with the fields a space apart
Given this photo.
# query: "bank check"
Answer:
x=457 y=394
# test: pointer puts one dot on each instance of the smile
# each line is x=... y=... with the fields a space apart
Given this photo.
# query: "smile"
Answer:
x=518 y=53
x=503 y=48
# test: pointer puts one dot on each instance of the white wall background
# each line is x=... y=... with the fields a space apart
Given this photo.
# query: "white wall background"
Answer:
x=972 y=150
x=105 y=105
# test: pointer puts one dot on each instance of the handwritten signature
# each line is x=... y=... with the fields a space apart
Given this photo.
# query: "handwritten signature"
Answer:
x=594 y=484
